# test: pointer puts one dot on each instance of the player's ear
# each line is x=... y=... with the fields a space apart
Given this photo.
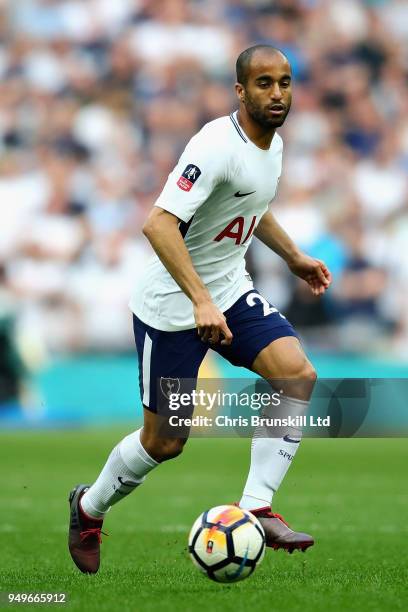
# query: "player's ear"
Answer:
x=240 y=91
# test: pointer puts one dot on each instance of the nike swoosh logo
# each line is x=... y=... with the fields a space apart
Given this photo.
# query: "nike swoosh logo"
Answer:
x=241 y=195
x=127 y=483
x=289 y=439
x=240 y=568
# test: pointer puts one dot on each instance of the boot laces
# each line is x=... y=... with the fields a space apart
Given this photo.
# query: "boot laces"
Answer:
x=267 y=513
x=280 y=517
x=95 y=531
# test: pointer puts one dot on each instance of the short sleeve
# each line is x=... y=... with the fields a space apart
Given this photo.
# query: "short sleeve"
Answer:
x=200 y=168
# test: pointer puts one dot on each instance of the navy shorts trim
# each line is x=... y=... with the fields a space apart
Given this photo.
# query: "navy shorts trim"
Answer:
x=165 y=359
x=169 y=360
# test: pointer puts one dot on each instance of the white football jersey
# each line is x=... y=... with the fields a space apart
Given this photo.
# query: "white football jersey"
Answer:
x=220 y=189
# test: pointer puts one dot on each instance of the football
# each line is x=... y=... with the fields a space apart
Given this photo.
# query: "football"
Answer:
x=227 y=543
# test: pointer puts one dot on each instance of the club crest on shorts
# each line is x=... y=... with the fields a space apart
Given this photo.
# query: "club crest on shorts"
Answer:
x=169 y=386
x=189 y=177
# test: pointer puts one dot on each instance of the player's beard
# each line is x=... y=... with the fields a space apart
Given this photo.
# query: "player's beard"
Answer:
x=261 y=116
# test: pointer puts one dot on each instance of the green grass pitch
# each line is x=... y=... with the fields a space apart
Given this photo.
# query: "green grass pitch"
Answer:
x=351 y=494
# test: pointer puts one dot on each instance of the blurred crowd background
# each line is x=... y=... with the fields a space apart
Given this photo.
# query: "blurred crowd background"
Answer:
x=98 y=99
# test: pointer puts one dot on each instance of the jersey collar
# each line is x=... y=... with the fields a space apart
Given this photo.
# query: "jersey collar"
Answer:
x=237 y=126
x=234 y=119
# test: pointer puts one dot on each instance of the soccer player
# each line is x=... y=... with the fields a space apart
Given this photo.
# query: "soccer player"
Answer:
x=196 y=294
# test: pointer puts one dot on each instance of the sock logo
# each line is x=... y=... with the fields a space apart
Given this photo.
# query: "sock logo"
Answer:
x=129 y=484
x=289 y=439
x=285 y=454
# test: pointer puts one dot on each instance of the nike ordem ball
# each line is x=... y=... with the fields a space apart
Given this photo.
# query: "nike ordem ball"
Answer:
x=227 y=543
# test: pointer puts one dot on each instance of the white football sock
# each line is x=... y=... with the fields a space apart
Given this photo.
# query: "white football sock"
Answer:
x=271 y=457
x=125 y=469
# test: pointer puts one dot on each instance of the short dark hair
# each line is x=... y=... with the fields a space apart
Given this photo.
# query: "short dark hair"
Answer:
x=244 y=60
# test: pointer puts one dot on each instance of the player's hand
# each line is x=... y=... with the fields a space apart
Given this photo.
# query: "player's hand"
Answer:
x=313 y=271
x=211 y=324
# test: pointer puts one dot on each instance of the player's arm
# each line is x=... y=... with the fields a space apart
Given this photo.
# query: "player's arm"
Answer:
x=312 y=270
x=161 y=229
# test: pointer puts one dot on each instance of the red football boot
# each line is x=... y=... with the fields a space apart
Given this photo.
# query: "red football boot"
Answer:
x=278 y=534
x=84 y=537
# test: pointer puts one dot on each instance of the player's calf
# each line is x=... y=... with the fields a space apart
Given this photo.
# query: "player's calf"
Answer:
x=163 y=449
x=160 y=440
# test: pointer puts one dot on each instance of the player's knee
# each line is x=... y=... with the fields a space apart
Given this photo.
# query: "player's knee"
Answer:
x=308 y=373
x=298 y=380
x=302 y=384
x=301 y=370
